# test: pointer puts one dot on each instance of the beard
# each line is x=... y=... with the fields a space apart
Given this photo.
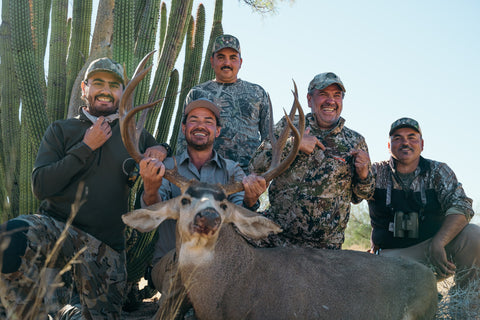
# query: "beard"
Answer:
x=200 y=146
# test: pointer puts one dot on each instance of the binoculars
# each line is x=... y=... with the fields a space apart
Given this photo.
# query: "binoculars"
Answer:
x=405 y=225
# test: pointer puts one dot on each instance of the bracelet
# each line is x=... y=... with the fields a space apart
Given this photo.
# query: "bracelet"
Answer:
x=167 y=147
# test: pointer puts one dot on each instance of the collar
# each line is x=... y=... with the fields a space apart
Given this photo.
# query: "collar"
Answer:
x=423 y=165
x=184 y=157
x=315 y=128
x=110 y=118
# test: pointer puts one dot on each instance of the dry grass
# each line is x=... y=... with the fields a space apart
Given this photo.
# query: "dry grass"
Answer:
x=50 y=279
x=458 y=304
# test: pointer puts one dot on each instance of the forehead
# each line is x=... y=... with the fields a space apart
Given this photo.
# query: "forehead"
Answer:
x=331 y=88
x=226 y=52
x=405 y=131
x=201 y=190
x=104 y=76
x=201 y=112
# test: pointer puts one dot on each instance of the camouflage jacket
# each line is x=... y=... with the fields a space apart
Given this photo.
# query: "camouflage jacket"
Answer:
x=311 y=199
x=433 y=193
x=245 y=117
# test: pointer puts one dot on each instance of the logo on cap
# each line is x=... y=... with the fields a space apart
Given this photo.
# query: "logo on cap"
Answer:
x=226 y=41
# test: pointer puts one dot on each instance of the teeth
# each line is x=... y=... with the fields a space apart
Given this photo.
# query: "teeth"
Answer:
x=104 y=99
x=199 y=134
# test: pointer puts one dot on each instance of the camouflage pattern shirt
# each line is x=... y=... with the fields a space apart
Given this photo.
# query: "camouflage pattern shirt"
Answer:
x=433 y=192
x=245 y=118
x=311 y=199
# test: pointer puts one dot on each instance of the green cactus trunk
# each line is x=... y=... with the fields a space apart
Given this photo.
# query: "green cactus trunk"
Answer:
x=9 y=123
x=164 y=123
x=177 y=22
x=79 y=40
x=57 y=75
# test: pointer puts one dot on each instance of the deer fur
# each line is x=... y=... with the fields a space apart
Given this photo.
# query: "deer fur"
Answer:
x=226 y=278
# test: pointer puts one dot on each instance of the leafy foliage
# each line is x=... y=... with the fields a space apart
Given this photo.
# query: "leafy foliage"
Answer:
x=357 y=234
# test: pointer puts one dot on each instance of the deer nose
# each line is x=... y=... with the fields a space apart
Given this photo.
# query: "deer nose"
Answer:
x=206 y=221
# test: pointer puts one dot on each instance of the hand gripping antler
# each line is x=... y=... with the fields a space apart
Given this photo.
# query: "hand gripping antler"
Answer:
x=131 y=131
x=277 y=167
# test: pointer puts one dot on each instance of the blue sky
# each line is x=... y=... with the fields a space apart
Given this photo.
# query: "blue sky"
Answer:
x=418 y=59
x=396 y=58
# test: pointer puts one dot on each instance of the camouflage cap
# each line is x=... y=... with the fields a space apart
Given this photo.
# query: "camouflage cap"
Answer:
x=203 y=103
x=105 y=65
x=226 y=41
x=405 y=123
x=323 y=80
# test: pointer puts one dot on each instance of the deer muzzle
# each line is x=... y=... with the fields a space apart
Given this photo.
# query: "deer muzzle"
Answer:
x=206 y=221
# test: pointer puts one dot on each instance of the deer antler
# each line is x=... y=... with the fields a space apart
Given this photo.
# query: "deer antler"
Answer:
x=277 y=167
x=131 y=131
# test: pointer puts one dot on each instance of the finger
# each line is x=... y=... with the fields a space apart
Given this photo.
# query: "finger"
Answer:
x=319 y=144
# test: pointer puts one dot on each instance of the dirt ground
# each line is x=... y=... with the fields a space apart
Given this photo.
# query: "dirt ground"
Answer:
x=145 y=312
x=147 y=308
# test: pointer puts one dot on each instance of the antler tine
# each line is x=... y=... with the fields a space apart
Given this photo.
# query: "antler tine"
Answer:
x=277 y=167
x=130 y=136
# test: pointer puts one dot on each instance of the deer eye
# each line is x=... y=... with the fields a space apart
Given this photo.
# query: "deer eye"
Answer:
x=223 y=206
x=186 y=201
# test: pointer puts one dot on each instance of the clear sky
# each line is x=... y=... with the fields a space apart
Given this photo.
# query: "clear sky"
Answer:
x=411 y=58
x=418 y=59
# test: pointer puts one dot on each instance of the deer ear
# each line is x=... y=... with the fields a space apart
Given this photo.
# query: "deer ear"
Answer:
x=147 y=219
x=251 y=224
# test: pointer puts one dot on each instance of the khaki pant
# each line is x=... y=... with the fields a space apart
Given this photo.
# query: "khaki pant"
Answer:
x=166 y=280
x=463 y=251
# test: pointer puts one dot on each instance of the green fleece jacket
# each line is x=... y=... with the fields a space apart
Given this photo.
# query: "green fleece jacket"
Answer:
x=63 y=161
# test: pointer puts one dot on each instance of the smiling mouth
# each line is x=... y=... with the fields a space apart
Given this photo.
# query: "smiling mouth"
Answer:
x=104 y=99
x=199 y=134
x=223 y=68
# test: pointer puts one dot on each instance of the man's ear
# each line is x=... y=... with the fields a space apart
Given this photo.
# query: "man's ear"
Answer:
x=82 y=84
x=309 y=100
x=217 y=133
x=211 y=61
x=183 y=129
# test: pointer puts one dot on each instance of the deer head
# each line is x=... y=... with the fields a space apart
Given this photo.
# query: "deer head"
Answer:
x=199 y=198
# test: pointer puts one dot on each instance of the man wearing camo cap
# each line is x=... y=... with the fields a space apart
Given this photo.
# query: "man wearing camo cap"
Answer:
x=311 y=199
x=244 y=106
x=85 y=154
x=420 y=211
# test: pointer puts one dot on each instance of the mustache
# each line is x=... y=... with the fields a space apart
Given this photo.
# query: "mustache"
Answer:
x=199 y=131
x=406 y=147
x=104 y=96
x=226 y=67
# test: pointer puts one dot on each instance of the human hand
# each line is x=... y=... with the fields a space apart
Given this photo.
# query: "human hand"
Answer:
x=254 y=186
x=309 y=142
x=361 y=162
x=159 y=152
x=152 y=171
x=438 y=258
x=97 y=134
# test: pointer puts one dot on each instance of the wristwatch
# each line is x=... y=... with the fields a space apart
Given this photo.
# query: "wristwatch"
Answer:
x=167 y=147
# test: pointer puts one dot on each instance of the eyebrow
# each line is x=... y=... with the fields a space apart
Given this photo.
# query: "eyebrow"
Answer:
x=109 y=82
x=197 y=117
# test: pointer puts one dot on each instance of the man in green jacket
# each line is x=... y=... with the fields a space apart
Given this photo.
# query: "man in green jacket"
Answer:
x=79 y=156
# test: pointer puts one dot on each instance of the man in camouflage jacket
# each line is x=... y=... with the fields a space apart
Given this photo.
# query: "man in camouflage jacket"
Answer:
x=245 y=111
x=419 y=210
x=311 y=199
